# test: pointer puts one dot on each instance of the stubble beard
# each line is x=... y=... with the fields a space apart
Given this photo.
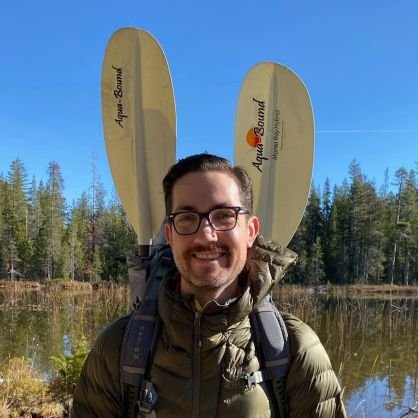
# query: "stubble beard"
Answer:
x=210 y=278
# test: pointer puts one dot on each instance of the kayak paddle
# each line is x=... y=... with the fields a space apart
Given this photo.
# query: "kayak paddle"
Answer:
x=274 y=142
x=139 y=126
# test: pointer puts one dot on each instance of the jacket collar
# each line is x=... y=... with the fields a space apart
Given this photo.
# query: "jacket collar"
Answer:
x=266 y=265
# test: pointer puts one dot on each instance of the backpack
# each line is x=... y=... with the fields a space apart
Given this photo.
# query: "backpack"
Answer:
x=139 y=394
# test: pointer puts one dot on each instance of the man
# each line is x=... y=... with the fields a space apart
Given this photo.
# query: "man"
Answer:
x=205 y=345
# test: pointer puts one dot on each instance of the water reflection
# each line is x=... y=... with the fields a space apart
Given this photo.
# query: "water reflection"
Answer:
x=372 y=342
x=372 y=345
x=39 y=324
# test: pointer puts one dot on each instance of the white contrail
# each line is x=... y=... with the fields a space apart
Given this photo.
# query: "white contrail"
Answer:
x=366 y=131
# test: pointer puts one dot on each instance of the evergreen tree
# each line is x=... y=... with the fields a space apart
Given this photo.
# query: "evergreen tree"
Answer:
x=407 y=215
x=352 y=235
x=373 y=255
x=95 y=241
x=77 y=238
x=313 y=219
x=315 y=268
x=326 y=205
x=337 y=269
x=326 y=236
x=33 y=210
x=358 y=220
x=3 y=228
x=54 y=217
x=15 y=215
x=305 y=237
x=119 y=241
x=400 y=230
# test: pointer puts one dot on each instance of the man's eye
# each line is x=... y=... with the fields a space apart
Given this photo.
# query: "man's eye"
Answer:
x=224 y=215
x=186 y=217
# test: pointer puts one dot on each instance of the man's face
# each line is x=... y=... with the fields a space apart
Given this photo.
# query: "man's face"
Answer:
x=209 y=260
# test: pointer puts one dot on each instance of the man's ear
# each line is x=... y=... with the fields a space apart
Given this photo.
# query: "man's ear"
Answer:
x=253 y=230
x=168 y=233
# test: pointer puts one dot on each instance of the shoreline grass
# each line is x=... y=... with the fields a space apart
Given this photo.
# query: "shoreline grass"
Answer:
x=330 y=289
x=56 y=285
x=355 y=290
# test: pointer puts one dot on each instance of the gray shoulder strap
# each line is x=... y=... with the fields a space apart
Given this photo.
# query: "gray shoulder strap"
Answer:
x=142 y=332
x=273 y=340
x=272 y=346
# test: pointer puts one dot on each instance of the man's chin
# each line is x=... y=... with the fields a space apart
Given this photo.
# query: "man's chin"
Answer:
x=207 y=281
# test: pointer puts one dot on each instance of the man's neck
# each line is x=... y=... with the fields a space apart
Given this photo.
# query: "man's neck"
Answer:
x=204 y=295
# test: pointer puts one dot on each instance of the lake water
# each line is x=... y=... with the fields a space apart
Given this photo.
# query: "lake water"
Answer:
x=373 y=346
x=372 y=343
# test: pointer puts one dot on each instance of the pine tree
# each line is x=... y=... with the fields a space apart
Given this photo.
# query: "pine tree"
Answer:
x=3 y=227
x=54 y=217
x=77 y=238
x=408 y=214
x=119 y=241
x=315 y=269
x=15 y=220
x=303 y=241
x=373 y=255
x=326 y=205
x=313 y=219
x=97 y=206
x=401 y=225
x=340 y=233
x=357 y=220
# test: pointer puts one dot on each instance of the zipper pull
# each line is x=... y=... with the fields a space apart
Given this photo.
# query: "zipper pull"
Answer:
x=196 y=326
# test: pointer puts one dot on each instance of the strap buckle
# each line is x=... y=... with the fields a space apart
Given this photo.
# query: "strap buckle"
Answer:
x=147 y=397
x=251 y=379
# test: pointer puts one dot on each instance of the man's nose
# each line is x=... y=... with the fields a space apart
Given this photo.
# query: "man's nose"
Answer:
x=206 y=228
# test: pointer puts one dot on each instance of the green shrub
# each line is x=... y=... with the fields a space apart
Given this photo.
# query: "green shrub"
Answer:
x=69 y=368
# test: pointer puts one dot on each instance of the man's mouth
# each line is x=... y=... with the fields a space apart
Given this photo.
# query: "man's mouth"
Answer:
x=209 y=254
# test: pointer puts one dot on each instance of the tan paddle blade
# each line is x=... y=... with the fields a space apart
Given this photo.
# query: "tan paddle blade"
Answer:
x=139 y=125
x=274 y=142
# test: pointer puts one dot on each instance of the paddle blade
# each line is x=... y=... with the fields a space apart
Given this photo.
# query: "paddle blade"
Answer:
x=274 y=142
x=139 y=125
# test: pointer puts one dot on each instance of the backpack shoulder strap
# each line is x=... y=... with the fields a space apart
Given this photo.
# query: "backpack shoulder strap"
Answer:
x=140 y=337
x=272 y=346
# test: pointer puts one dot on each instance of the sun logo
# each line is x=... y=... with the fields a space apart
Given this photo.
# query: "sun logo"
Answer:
x=253 y=138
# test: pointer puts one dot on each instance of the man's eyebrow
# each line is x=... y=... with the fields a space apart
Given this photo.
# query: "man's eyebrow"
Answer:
x=190 y=208
x=223 y=205
x=185 y=208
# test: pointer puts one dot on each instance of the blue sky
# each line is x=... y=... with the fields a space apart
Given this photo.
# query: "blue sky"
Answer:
x=358 y=59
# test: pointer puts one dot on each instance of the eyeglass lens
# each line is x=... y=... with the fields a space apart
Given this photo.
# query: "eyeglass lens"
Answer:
x=221 y=219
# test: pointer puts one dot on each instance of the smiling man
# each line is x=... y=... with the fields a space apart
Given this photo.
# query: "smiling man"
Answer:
x=206 y=345
x=210 y=233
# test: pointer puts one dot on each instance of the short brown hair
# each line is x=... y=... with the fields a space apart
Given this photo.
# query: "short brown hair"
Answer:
x=207 y=162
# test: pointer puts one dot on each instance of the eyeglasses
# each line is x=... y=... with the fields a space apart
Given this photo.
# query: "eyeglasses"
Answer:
x=220 y=219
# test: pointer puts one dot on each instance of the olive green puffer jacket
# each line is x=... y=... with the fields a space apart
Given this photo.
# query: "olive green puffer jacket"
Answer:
x=201 y=357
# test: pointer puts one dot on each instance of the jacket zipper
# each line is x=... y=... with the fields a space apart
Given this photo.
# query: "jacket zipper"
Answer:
x=196 y=365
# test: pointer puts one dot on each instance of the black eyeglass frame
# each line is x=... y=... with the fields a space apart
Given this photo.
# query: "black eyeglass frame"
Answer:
x=239 y=210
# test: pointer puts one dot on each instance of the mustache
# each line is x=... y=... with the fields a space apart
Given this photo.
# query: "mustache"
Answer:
x=210 y=247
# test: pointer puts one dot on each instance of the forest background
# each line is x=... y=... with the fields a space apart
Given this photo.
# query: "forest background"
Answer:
x=353 y=233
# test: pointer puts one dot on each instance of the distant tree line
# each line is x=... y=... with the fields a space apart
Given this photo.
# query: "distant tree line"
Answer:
x=41 y=237
x=351 y=234
x=357 y=234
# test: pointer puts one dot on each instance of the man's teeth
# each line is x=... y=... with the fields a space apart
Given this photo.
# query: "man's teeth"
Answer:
x=208 y=256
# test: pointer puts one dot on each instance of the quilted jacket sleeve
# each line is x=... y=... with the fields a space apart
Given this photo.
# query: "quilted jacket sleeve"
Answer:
x=312 y=387
x=98 y=392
